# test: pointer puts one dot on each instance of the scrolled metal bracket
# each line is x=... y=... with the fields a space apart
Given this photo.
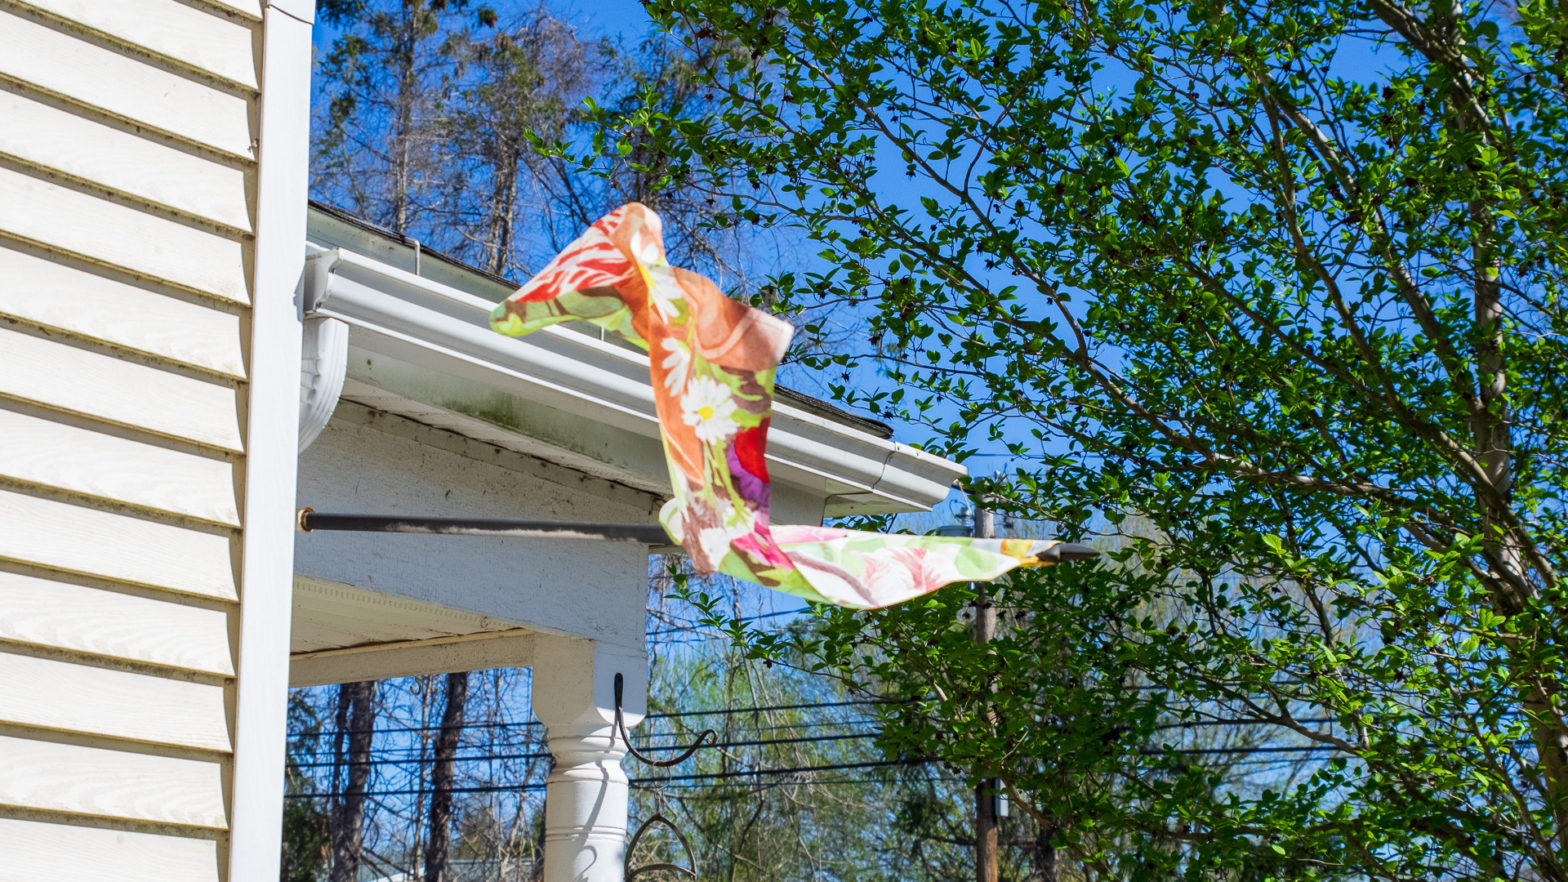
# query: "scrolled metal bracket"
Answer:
x=707 y=738
x=620 y=728
x=661 y=820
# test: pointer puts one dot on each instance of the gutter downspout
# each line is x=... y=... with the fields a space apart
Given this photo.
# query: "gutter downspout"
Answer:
x=323 y=361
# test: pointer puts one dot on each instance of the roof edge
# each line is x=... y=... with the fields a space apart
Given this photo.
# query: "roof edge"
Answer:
x=445 y=329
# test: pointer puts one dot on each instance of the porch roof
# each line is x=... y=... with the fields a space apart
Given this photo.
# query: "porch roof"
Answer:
x=419 y=345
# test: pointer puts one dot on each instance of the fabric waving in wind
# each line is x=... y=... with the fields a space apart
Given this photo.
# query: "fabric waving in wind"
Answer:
x=712 y=361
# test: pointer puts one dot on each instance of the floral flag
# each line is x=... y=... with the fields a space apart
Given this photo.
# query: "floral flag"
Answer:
x=712 y=361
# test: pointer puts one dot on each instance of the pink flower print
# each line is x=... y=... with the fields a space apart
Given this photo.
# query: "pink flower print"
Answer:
x=759 y=545
x=794 y=533
x=900 y=572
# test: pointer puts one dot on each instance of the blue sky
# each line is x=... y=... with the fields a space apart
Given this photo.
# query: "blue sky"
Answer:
x=605 y=18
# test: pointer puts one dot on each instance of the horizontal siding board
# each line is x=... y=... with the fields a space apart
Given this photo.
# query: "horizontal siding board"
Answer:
x=41 y=134
x=38 y=451
x=251 y=9
x=79 y=539
x=81 y=618
x=125 y=87
x=37 y=850
x=64 y=377
x=216 y=44
x=102 y=782
x=121 y=236
x=69 y=697
x=54 y=294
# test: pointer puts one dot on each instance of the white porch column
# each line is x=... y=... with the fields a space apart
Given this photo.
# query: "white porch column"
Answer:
x=586 y=795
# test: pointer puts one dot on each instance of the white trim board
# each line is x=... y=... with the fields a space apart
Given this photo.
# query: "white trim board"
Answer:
x=272 y=446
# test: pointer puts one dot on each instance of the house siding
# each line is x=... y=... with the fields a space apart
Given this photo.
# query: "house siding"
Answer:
x=127 y=251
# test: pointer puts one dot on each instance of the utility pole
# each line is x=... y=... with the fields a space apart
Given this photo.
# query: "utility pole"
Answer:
x=986 y=832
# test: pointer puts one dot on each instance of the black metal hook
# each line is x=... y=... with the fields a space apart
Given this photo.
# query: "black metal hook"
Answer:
x=690 y=873
x=620 y=727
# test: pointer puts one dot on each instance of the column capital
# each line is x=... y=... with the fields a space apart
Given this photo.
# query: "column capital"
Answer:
x=574 y=682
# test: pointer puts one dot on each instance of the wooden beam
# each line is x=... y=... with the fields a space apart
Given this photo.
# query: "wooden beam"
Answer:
x=517 y=648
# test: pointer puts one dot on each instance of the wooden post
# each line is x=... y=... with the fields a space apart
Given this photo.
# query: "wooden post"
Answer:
x=986 y=832
x=585 y=806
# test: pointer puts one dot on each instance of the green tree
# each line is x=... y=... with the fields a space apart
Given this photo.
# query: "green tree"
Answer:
x=519 y=85
x=463 y=125
x=306 y=834
x=380 y=88
x=1284 y=279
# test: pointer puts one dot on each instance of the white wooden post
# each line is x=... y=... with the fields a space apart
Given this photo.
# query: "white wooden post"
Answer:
x=586 y=795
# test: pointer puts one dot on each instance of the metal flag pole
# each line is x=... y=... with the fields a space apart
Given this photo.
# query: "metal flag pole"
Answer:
x=652 y=535
x=311 y=521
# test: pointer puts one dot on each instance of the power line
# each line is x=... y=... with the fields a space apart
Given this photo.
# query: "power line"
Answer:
x=534 y=755
x=713 y=776
x=1227 y=751
x=776 y=707
x=832 y=782
x=691 y=626
x=327 y=733
x=869 y=764
x=412 y=752
x=491 y=788
x=532 y=724
x=856 y=702
x=545 y=754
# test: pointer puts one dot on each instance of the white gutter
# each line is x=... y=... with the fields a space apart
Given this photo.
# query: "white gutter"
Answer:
x=426 y=322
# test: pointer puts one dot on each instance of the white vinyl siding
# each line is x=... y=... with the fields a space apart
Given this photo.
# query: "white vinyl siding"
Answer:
x=92 y=541
x=214 y=45
x=41 y=850
x=63 y=695
x=164 y=630
x=57 y=777
x=120 y=236
x=67 y=146
x=76 y=460
x=239 y=9
x=118 y=86
x=52 y=372
x=127 y=213
x=119 y=313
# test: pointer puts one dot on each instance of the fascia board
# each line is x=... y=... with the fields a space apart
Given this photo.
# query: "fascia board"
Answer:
x=435 y=340
x=440 y=328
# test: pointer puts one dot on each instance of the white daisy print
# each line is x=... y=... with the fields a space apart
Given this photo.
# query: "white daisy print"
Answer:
x=677 y=364
x=663 y=291
x=709 y=407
